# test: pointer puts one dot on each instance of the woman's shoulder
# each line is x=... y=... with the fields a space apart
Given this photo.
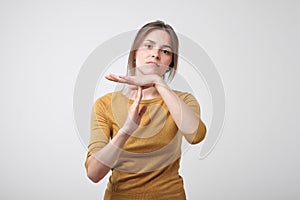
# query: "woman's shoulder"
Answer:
x=106 y=98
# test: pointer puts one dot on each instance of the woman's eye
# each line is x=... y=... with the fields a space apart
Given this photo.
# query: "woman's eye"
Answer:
x=148 y=46
x=165 y=51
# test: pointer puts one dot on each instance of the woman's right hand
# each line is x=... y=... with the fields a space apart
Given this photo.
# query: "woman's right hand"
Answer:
x=134 y=114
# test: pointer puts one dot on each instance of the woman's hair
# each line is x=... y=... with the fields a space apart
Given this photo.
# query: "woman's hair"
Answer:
x=142 y=33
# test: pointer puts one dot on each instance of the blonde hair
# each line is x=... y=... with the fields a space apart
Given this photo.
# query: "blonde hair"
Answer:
x=140 y=36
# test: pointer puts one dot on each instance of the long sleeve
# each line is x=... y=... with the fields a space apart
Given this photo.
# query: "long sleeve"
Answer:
x=192 y=102
x=100 y=128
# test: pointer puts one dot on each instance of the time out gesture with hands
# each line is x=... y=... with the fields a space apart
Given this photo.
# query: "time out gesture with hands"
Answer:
x=134 y=115
x=180 y=112
x=142 y=80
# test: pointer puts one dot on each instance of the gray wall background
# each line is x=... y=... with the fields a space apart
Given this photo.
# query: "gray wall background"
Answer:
x=254 y=45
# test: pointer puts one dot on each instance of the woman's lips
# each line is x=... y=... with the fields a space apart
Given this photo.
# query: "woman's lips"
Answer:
x=152 y=63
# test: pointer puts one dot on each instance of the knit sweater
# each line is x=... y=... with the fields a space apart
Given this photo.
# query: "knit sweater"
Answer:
x=149 y=162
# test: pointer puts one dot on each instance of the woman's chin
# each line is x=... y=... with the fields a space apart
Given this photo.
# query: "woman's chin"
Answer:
x=147 y=70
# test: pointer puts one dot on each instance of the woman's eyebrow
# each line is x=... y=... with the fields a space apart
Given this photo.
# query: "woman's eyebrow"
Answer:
x=165 y=45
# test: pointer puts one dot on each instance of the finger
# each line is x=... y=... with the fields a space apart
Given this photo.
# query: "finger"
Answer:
x=121 y=79
x=116 y=79
x=127 y=79
x=139 y=94
x=133 y=87
x=138 y=98
x=112 y=77
x=142 y=111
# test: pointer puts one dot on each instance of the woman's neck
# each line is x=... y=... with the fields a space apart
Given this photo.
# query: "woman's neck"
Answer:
x=147 y=93
x=150 y=93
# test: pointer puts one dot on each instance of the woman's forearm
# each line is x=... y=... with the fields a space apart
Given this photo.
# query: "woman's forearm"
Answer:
x=102 y=161
x=186 y=120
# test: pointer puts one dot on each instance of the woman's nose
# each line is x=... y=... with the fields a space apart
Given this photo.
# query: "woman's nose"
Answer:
x=155 y=53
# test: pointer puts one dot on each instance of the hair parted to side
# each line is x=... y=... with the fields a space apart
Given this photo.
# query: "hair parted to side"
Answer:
x=140 y=36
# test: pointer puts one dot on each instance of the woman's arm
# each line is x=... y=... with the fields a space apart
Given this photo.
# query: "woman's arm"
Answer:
x=187 y=121
x=185 y=118
x=100 y=162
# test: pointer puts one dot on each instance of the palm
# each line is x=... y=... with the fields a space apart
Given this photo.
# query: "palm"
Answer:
x=141 y=80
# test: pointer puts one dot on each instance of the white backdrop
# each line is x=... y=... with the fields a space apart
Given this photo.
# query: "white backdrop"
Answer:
x=254 y=45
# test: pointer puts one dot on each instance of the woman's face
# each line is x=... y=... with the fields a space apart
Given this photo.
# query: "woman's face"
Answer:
x=154 y=55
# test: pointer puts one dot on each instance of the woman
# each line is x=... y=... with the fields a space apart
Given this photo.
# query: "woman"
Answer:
x=137 y=132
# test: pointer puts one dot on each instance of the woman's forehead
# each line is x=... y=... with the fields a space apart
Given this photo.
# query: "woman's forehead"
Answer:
x=159 y=37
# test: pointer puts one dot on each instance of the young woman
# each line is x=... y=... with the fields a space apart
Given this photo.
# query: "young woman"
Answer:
x=137 y=132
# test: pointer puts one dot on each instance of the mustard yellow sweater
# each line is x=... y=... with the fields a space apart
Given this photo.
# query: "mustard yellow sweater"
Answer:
x=148 y=166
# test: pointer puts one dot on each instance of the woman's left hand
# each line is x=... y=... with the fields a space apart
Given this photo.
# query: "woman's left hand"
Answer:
x=141 y=80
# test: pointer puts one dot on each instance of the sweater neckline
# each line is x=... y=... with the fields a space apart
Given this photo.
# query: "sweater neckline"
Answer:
x=143 y=101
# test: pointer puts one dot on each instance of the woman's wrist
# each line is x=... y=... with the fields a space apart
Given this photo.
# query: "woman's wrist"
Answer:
x=123 y=133
x=157 y=79
x=159 y=82
x=120 y=139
